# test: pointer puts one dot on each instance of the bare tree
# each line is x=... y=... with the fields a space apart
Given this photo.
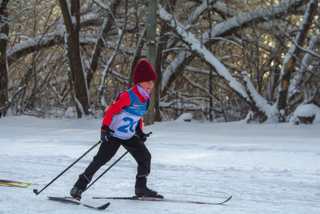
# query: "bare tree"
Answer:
x=291 y=58
x=78 y=80
x=298 y=81
x=164 y=37
x=106 y=27
x=246 y=91
x=152 y=50
x=223 y=29
x=4 y=34
x=111 y=59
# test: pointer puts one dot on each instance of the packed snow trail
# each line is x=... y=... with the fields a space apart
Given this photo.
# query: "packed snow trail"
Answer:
x=268 y=168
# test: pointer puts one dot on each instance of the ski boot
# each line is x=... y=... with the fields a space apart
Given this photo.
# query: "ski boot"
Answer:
x=79 y=187
x=141 y=189
x=146 y=192
x=76 y=192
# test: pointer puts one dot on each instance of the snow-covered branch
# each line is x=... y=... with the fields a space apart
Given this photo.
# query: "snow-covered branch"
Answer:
x=106 y=27
x=39 y=42
x=120 y=77
x=111 y=59
x=185 y=107
x=299 y=37
x=56 y=37
x=48 y=40
x=289 y=61
x=192 y=69
x=199 y=10
x=295 y=86
x=258 y=15
x=260 y=102
x=203 y=52
x=230 y=25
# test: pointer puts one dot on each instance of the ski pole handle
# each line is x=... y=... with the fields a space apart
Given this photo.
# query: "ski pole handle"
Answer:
x=37 y=192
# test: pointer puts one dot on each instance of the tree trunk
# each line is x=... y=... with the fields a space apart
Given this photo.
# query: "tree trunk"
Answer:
x=72 y=23
x=106 y=27
x=111 y=59
x=152 y=52
x=4 y=32
x=297 y=83
x=291 y=58
x=137 y=55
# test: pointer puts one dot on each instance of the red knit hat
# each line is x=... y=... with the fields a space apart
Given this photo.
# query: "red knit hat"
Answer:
x=143 y=71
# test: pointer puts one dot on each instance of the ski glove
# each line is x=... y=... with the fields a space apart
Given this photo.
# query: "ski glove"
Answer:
x=142 y=136
x=106 y=133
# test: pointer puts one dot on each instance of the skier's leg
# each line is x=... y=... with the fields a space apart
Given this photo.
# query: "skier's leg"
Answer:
x=106 y=152
x=141 y=154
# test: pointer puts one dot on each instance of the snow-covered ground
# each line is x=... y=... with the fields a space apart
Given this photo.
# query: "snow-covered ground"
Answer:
x=268 y=168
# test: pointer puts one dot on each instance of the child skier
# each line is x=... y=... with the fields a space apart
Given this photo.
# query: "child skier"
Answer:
x=122 y=125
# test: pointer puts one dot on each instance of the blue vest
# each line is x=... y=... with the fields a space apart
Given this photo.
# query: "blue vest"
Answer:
x=125 y=123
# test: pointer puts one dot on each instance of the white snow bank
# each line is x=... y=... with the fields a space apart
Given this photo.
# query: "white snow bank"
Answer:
x=306 y=110
x=186 y=117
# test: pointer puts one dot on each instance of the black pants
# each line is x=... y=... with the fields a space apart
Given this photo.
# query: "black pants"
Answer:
x=108 y=149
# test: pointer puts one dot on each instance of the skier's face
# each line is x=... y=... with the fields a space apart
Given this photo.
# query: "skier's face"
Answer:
x=148 y=86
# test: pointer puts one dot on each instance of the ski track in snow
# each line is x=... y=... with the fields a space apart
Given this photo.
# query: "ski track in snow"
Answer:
x=268 y=168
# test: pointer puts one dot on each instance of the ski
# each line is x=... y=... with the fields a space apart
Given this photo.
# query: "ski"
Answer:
x=11 y=183
x=69 y=200
x=167 y=200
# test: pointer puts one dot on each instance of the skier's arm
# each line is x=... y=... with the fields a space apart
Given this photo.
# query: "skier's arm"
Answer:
x=115 y=108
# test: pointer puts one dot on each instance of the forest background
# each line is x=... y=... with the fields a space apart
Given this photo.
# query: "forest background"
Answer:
x=221 y=60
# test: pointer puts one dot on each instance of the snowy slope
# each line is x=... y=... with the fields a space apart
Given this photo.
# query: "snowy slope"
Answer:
x=269 y=168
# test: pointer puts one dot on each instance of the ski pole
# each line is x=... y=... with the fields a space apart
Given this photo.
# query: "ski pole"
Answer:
x=37 y=192
x=114 y=163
